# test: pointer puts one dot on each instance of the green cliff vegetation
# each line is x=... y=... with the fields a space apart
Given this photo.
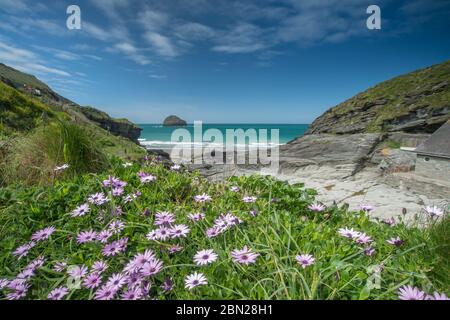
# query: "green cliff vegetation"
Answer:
x=35 y=137
x=415 y=102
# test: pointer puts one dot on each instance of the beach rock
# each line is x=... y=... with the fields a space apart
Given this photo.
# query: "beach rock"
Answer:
x=397 y=160
x=174 y=121
x=345 y=154
x=162 y=155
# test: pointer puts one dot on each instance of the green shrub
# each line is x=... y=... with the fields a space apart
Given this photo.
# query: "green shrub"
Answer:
x=32 y=158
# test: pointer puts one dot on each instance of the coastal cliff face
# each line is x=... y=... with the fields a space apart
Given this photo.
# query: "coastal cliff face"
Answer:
x=118 y=127
x=43 y=97
x=26 y=104
x=418 y=102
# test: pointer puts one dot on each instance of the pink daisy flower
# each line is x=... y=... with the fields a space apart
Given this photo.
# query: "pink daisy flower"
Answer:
x=99 y=267
x=244 y=256
x=305 y=260
x=98 y=198
x=116 y=226
x=204 y=257
x=151 y=268
x=196 y=217
x=103 y=236
x=410 y=293
x=20 y=291
x=77 y=272
x=146 y=178
x=80 y=210
x=175 y=248
x=434 y=211
x=195 y=280
x=249 y=199
x=179 y=231
x=348 y=233
x=366 y=208
x=234 y=189
x=23 y=250
x=389 y=222
x=92 y=281
x=116 y=281
x=164 y=218
x=437 y=296
x=395 y=241
x=132 y=294
x=58 y=293
x=202 y=198
x=317 y=207
x=43 y=234
x=86 y=236
x=105 y=293
x=60 y=266
x=363 y=238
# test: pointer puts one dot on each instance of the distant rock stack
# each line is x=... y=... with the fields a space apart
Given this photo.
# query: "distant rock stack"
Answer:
x=174 y=121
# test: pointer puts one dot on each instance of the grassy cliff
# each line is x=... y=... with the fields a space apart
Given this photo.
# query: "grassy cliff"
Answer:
x=36 y=136
x=415 y=102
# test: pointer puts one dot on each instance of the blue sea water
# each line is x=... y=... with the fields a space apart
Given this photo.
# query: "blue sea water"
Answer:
x=156 y=136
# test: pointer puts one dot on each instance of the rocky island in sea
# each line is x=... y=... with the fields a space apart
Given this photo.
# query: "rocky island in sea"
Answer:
x=174 y=121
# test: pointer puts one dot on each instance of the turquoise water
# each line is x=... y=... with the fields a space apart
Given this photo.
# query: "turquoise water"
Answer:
x=156 y=136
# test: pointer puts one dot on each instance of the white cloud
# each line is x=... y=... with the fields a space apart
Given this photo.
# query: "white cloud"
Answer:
x=161 y=44
x=26 y=61
x=193 y=31
x=13 y=5
x=131 y=52
x=95 y=31
x=153 y=20
x=158 y=76
x=242 y=38
x=29 y=26
x=59 y=54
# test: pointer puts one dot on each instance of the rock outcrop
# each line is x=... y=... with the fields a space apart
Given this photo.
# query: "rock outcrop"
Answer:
x=118 y=127
x=345 y=154
x=174 y=121
x=418 y=102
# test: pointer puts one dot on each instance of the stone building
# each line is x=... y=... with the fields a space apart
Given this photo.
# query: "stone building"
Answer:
x=433 y=156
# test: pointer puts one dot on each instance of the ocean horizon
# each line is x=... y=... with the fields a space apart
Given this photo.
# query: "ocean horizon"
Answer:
x=156 y=136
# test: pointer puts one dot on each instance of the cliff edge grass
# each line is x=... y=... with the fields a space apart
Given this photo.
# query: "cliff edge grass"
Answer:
x=30 y=131
x=417 y=102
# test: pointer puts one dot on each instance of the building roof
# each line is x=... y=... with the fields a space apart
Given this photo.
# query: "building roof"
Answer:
x=438 y=145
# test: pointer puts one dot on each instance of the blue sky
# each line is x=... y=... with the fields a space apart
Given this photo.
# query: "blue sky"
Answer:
x=222 y=61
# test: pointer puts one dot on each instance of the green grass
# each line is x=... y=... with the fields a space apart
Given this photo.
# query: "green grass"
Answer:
x=283 y=228
x=31 y=159
x=23 y=120
x=19 y=78
x=20 y=113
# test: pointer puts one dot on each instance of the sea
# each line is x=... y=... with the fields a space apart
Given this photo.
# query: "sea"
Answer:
x=156 y=136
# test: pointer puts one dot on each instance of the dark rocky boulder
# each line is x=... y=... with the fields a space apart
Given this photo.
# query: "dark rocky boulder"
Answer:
x=174 y=121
